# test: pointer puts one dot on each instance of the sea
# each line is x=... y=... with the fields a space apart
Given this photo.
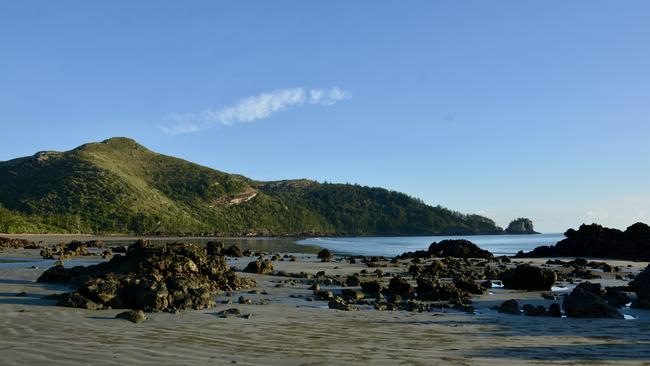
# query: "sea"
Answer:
x=392 y=246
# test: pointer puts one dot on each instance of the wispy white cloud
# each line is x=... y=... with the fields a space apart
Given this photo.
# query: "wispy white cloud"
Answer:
x=252 y=108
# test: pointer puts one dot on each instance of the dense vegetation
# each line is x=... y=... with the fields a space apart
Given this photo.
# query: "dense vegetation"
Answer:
x=119 y=186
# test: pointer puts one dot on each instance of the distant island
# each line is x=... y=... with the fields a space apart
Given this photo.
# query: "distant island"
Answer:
x=521 y=226
x=119 y=186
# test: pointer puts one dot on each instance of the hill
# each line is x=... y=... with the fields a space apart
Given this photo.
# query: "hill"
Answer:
x=119 y=186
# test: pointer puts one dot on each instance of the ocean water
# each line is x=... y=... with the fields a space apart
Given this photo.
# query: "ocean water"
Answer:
x=392 y=246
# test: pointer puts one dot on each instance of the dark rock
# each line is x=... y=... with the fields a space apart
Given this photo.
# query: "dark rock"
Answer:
x=233 y=251
x=641 y=285
x=400 y=286
x=586 y=301
x=352 y=281
x=324 y=255
x=527 y=277
x=371 y=287
x=458 y=249
x=233 y=312
x=352 y=295
x=134 y=316
x=21 y=294
x=214 y=248
x=259 y=266
x=340 y=304
x=509 y=307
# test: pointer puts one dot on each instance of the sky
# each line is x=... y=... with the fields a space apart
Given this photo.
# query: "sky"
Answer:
x=508 y=109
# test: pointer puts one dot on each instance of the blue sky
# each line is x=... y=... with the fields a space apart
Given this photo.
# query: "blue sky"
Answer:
x=510 y=108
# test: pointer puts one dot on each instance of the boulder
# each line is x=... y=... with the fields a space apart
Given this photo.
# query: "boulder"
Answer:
x=233 y=251
x=325 y=255
x=527 y=277
x=372 y=288
x=352 y=281
x=340 y=304
x=458 y=249
x=260 y=266
x=586 y=301
x=509 y=307
x=400 y=286
x=134 y=316
x=641 y=285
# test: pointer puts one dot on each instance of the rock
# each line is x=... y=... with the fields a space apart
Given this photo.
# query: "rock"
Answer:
x=641 y=285
x=532 y=310
x=372 y=288
x=554 y=310
x=586 y=301
x=214 y=248
x=340 y=304
x=520 y=226
x=325 y=255
x=233 y=251
x=233 y=312
x=584 y=274
x=458 y=249
x=527 y=277
x=21 y=294
x=167 y=277
x=324 y=294
x=430 y=289
x=469 y=285
x=75 y=300
x=400 y=286
x=352 y=295
x=449 y=248
x=599 y=242
x=134 y=316
x=259 y=266
x=352 y=281
x=509 y=307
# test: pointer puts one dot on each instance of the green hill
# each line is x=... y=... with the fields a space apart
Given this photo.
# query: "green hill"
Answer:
x=119 y=186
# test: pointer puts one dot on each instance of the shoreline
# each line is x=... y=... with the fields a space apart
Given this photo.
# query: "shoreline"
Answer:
x=40 y=332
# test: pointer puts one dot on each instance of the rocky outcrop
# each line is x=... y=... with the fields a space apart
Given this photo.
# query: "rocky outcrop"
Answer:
x=449 y=248
x=587 y=301
x=520 y=226
x=527 y=277
x=166 y=277
x=599 y=242
x=9 y=243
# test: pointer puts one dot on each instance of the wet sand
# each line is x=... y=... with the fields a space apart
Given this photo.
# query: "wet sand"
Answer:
x=294 y=331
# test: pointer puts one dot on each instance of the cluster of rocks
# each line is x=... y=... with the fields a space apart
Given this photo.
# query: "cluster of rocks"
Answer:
x=512 y=307
x=167 y=277
x=599 y=242
x=587 y=300
x=449 y=248
x=10 y=243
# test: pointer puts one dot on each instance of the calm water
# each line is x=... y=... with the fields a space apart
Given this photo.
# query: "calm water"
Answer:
x=391 y=246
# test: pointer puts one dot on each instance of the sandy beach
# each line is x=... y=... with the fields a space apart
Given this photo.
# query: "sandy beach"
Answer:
x=294 y=329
